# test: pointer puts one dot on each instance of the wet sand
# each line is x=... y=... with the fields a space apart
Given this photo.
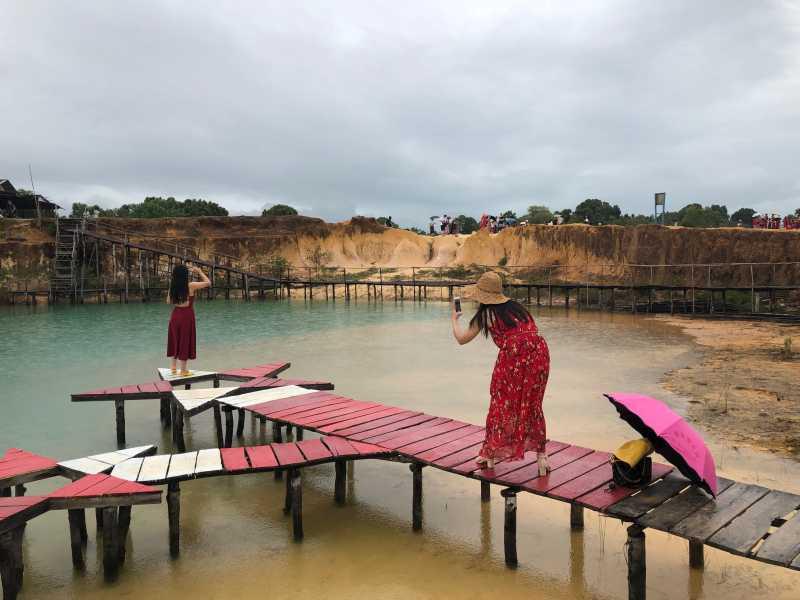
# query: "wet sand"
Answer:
x=744 y=389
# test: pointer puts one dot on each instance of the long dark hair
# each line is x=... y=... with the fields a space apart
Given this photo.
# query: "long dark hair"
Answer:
x=510 y=313
x=179 y=286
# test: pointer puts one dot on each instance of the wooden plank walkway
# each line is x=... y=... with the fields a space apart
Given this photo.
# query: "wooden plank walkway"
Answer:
x=163 y=389
x=747 y=520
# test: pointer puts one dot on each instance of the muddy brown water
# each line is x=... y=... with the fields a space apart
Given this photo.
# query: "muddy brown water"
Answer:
x=236 y=542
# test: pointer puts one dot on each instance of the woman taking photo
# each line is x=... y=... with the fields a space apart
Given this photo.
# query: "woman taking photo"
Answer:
x=182 y=335
x=515 y=423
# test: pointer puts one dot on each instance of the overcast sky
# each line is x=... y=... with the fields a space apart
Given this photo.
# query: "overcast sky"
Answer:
x=407 y=109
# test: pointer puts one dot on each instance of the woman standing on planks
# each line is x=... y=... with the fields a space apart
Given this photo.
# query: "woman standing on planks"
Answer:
x=182 y=335
x=515 y=423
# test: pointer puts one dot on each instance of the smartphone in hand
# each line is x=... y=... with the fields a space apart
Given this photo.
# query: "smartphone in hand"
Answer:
x=457 y=304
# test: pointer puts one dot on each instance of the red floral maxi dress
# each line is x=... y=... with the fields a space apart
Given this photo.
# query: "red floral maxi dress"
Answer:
x=515 y=423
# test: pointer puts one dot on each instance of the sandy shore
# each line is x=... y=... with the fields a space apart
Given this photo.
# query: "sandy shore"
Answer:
x=745 y=389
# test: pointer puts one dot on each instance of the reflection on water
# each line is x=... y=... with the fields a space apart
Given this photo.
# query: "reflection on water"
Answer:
x=236 y=542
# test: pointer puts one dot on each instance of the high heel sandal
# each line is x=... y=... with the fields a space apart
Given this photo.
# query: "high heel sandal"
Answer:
x=486 y=463
x=544 y=468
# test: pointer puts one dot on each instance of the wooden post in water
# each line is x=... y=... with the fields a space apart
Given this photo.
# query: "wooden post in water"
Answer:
x=123 y=525
x=11 y=565
x=510 y=527
x=575 y=516
x=110 y=543
x=218 y=426
x=696 y=555
x=119 y=407
x=75 y=516
x=416 y=498
x=277 y=438
x=174 y=517
x=228 y=426
x=340 y=483
x=240 y=423
x=486 y=492
x=297 y=503
x=637 y=568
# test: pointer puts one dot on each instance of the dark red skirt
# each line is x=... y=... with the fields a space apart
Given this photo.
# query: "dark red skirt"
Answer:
x=182 y=335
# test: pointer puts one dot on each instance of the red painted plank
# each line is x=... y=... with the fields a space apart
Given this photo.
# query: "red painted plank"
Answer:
x=148 y=387
x=422 y=434
x=507 y=466
x=314 y=449
x=16 y=462
x=597 y=478
x=457 y=458
x=129 y=389
x=566 y=473
x=234 y=459
x=557 y=461
x=393 y=435
x=339 y=446
x=406 y=423
x=365 y=448
x=390 y=414
x=338 y=417
x=320 y=404
x=451 y=447
x=163 y=386
x=13 y=505
x=583 y=484
x=604 y=496
x=101 y=485
x=261 y=457
x=415 y=448
x=345 y=407
x=311 y=409
x=288 y=454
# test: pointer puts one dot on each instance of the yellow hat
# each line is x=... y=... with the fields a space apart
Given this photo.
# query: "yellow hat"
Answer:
x=488 y=290
x=634 y=451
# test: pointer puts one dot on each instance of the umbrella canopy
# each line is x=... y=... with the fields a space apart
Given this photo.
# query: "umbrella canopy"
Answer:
x=672 y=437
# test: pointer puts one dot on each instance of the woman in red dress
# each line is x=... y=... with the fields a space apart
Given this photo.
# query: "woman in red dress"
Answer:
x=515 y=423
x=182 y=335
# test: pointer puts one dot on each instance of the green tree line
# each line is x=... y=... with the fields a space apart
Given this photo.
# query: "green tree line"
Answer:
x=153 y=207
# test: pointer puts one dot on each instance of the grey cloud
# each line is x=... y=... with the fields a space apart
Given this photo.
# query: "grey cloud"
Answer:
x=408 y=110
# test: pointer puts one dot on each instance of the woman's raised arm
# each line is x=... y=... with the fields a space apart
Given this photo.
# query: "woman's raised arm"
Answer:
x=204 y=280
x=463 y=337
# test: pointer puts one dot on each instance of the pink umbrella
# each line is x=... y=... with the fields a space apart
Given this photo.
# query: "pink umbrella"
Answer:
x=671 y=436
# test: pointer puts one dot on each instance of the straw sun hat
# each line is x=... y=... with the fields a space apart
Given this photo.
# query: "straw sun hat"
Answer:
x=488 y=290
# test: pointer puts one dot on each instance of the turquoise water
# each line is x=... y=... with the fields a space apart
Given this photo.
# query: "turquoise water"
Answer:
x=236 y=542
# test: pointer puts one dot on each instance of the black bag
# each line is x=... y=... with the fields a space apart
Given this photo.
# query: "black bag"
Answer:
x=638 y=476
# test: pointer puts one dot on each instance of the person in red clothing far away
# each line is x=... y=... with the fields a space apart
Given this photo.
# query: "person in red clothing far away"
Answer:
x=181 y=334
x=515 y=423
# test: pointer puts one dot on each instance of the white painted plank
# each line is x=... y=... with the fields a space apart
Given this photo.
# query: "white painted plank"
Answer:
x=154 y=468
x=202 y=393
x=193 y=399
x=111 y=458
x=86 y=465
x=136 y=451
x=261 y=396
x=208 y=461
x=128 y=470
x=182 y=465
x=167 y=375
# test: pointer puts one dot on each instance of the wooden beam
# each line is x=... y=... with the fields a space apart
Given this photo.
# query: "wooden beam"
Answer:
x=416 y=496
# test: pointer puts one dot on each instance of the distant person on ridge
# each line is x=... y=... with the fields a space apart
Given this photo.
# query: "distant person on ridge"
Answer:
x=182 y=335
x=515 y=423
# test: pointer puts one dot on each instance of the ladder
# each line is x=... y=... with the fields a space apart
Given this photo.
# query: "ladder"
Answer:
x=62 y=279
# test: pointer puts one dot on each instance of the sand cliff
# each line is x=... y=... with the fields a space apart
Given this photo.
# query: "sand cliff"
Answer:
x=364 y=243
